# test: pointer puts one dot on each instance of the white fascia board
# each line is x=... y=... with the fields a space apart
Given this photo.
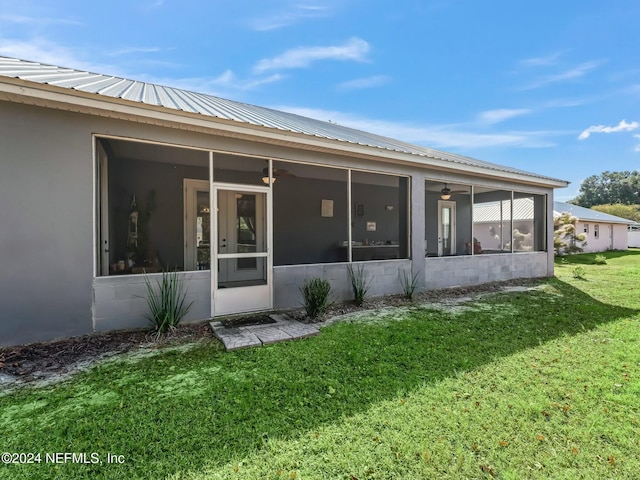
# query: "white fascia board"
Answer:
x=74 y=100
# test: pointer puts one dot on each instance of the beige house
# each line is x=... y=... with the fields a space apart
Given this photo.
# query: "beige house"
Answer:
x=603 y=231
x=105 y=178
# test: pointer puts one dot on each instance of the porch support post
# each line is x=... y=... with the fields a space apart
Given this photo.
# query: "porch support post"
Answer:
x=417 y=221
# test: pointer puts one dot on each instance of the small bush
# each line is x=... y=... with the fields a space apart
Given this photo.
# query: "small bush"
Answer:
x=600 y=260
x=166 y=303
x=359 y=283
x=315 y=293
x=409 y=283
x=579 y=272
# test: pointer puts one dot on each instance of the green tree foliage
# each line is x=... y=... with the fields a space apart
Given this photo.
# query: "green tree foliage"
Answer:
x=566 y=238
x=609 y=188
x=630 y=212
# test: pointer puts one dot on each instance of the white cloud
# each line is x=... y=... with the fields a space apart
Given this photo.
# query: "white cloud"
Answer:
x=637 y=147
x=284 y=19
x=623 y=126
x=366 y=82
x=458 y=136
x=355 y=49
x=43 y=51
x=27 y=20
x=496 y=116
x=571 y=74
x=228 y=81
x=544 y=61
x=133 y=51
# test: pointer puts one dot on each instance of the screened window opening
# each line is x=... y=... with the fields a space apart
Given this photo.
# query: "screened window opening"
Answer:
x=448 y=219
x=310 y=214
x=145 y=213
x=379 y=217
x=492 y=220
x=528 y=222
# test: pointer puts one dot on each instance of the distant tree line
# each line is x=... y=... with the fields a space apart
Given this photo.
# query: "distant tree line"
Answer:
x=609 y=188
x=615 y=193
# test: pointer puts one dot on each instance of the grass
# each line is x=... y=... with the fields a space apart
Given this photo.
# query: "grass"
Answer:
x=538 y=384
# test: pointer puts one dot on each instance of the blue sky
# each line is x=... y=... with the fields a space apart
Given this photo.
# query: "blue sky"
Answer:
x=551 y=87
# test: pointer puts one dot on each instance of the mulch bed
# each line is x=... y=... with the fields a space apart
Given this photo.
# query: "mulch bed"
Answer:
x=41 y=361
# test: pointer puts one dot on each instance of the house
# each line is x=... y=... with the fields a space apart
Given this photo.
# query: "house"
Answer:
x=103 y=179
x=603 y=231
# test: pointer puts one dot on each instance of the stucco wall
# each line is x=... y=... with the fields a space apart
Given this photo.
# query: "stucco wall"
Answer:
x=604 y=242
x=46 y=224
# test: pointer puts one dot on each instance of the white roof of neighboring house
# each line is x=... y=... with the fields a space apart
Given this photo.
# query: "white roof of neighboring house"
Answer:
x=586 y=214
x=203 y=105
x=491 y=212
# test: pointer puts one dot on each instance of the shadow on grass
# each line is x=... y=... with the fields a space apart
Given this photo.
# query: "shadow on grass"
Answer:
x=186 y=411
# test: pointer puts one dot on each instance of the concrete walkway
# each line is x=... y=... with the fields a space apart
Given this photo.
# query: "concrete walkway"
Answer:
x=285 y=328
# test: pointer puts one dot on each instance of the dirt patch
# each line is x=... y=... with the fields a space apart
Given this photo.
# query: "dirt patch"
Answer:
x=48 y=361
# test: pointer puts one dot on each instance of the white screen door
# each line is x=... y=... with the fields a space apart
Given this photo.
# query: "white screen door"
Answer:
x=242 y=280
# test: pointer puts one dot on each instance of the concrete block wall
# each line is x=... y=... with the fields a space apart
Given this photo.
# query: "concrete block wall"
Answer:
x=444 y=272
x=384 y=276
x=121 y=302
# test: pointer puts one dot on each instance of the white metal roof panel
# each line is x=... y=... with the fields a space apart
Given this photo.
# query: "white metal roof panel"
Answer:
x=586 y=214
x=211 y=106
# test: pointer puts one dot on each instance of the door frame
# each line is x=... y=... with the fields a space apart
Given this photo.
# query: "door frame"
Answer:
x=452 y=205
x=191 y=188
x=241 y=293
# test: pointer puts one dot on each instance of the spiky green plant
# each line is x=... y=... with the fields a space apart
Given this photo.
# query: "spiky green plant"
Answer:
x=409 y=283
x=360 y=283
x=166 y=301
x=315 y=293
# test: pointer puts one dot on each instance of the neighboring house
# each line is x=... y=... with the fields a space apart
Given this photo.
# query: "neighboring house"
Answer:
x=603 y=231
x=103 y=178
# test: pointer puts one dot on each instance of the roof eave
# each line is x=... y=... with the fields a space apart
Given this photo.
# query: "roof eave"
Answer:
x=15 y=89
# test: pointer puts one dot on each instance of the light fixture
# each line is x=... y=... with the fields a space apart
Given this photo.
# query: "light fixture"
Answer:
x=265 y=180
x=445 y=193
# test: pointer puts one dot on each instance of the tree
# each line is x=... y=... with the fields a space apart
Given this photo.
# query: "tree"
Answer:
x=609 y=188
x=630 y=212
x=566 y=238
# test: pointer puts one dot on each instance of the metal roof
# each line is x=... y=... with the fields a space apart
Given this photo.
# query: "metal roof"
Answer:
x=586 y=214
x=211 y=106
x=491 y=212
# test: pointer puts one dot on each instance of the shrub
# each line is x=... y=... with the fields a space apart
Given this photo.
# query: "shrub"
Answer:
x=409 y=283
x=566 y=239
x=359 y=283
x=600 y=260
x=315 y=293
x=579 y=272
x=167 y=303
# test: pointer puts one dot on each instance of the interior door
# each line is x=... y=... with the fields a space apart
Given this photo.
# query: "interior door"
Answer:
x=446 y=228
x=242 y=279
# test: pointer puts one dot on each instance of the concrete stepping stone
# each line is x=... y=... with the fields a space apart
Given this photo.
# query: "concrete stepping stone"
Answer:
x=284 y=329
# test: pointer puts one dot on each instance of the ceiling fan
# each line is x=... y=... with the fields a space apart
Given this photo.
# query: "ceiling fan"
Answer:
x=446 y=192
x=277 y=172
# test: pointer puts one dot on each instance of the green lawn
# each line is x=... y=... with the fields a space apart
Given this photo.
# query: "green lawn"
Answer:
x=537 y=384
